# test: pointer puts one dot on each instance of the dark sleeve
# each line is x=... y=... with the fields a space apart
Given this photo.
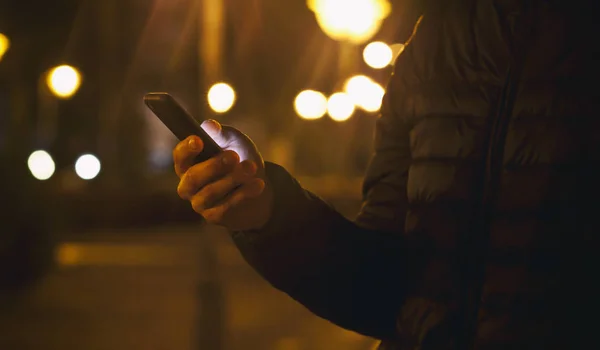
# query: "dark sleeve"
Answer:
x=350 y=273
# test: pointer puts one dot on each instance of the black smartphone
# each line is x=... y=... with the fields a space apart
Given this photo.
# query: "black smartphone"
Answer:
x=180 y=122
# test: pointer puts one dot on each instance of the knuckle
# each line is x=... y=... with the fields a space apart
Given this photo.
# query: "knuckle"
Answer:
x=224 y=209
x=215 y=166
x=198 y=205
x=229 y=182
x=220 y=213
x=189 y=177
x=237 y=200
x=209 y=194
x=238 y=174
x=179 y=171
x=217 y=215
x=231 y=156
x=212 y=216
x=177 y=150
x=187 y=182
x=180 y=191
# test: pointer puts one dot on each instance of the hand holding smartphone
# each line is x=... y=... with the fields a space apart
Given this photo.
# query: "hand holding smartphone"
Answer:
x=223 y=188
x=180 y=122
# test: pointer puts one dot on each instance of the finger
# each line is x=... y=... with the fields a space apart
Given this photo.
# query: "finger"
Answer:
x=185 y=152
x=206 y=172
x=215 y=130
x=214 y=193
x=221 y=213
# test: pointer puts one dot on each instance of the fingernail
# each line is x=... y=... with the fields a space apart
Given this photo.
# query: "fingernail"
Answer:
x=193 y=144
x=248 y=168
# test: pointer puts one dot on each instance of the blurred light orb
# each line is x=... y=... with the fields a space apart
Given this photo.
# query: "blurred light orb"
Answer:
x=41 y=165
x=4 y=44
x=357 y=85
x=365 y=93
x=64 y=81
x=340 y=106
x=87 y=166
x=373 y=98
x=310 y=104
x=221 y=97
x=355 y=21
x=378 y=55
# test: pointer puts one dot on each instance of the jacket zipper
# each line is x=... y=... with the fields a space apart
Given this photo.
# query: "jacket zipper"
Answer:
x=478 y=244
x=494 y=162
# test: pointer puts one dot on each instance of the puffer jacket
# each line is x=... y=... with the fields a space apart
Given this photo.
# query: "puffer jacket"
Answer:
x=479 y=224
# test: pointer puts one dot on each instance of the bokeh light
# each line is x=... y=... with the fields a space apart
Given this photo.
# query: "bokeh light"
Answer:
x=340 y=106
x=357 y=85
x=365 y=93
x=355 y=21
x=41 y=165
x=373 y=98
x=377 y=55
x=310 y=104
x=64 y=81
x=87 y=166
x=221 y=97
x=4 y=44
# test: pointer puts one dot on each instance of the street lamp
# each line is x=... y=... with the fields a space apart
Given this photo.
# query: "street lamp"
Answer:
x=340 y=107
x=41 y=165
x=221 y=97
x=4 y=45
x=364 y=93
x=310 y=104
x=87 y=166
x=354 y=21
x=378 y=55
x=63 y=81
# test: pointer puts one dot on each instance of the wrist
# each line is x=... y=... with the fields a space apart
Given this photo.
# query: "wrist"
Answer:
x=267 y=199
x=272 y=201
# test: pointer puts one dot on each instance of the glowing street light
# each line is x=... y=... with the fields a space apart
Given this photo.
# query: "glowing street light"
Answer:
x=364 y=93
x=310 y=104
x=63 y=81
x=378 y=55
x=355 y=21
x=221 y=97
x=41 y=165
x=340 y=107
x=373 y=98
x=87 y=166
x=357 y=85
x=4 y=44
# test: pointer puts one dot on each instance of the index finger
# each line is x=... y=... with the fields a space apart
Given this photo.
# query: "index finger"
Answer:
x=185 y=152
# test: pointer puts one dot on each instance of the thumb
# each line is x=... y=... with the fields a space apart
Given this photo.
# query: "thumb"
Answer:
x=215 y=130
x=229 y=138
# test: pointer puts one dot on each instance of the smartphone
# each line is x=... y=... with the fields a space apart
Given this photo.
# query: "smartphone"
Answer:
x=180 y=122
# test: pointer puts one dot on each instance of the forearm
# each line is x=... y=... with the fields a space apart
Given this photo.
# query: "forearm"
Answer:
x=340 y=271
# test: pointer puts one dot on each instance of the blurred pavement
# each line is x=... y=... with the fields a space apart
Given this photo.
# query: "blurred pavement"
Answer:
x=140 y=290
